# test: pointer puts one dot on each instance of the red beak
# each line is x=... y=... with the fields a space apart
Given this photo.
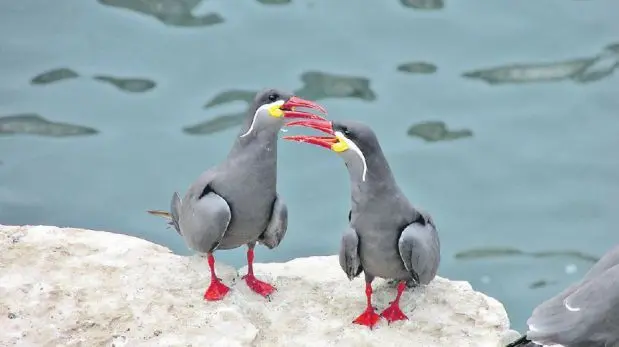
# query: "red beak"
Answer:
x=321 y=125
x=289 y=108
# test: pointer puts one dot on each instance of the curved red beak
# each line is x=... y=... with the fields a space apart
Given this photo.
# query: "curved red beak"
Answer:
x=290 y=108
x=322 y=125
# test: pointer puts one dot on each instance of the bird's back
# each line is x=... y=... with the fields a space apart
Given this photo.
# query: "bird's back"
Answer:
x=586 y=314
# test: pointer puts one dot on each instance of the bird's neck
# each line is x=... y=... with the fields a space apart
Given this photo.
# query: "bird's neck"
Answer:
x=377 y=182
x=261 y=144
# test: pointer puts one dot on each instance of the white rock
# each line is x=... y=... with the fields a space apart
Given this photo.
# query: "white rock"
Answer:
x=75 y=287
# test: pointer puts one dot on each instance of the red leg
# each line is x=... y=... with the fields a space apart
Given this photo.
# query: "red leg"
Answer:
x=393 y=312
x=253 y=283
x=368 y=317
x=217 y=290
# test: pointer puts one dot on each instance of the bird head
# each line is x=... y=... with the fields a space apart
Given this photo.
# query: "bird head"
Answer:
x=270 y=107
x=353 y=141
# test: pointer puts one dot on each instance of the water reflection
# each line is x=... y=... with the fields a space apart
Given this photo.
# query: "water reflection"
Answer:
x=321 y=85
x=542 y=283
x=424 y=4
x=580 y=70
x=54 y=75
x=34 y=124
x=170 y=12
x=433 y=131
x=417 y=67
x=230 y=96
x=131 y=85
x=316 y=86
x=274 y=2
x=480 y=253
x=217 y=124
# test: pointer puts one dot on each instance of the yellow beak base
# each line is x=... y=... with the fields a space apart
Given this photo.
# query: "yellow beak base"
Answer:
x=276 y=111
x=340 y=146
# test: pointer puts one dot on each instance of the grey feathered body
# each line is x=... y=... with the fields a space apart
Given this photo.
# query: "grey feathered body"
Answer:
x=593 y=319
x=379 y=218
x=393 y=239
x=246 y=183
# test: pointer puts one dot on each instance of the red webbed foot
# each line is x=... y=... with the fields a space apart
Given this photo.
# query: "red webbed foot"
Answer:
x=393 y=313
x=216 y=291
x=258 y=286
x=369 y=318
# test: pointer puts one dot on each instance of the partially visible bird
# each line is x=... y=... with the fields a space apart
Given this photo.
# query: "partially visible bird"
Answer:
x=236 y=203
x=586 y=314
x=387 y=237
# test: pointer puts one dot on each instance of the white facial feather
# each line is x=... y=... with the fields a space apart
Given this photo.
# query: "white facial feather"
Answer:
x=570 y=308
x=355 y=148
x=263 y=108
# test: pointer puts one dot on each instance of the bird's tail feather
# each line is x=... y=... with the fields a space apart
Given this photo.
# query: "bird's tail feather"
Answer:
x=175 y=211
x=160 y=213
x=171 y=216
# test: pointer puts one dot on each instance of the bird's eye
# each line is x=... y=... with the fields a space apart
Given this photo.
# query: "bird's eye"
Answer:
x=273 y=97
x=345 y=131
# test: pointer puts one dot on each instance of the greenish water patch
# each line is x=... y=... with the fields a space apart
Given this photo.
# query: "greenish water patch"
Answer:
x=322 y=85
x=433 y=131
x=170 y=12
x=423 y=4
x=34 y=124
x=131 y=85
x=55 y=75
x=542 y=283
x=275 y=2
x=481 y=253
x=417 y=67
x=229 y=96
x=580 y=70
x=217 y=124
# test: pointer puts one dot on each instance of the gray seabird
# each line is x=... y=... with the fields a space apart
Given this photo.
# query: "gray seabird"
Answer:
x=236 y=203
x=387 y=237
x=586 y=314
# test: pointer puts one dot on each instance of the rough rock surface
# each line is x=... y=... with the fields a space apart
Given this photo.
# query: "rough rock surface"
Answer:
x=75 y=287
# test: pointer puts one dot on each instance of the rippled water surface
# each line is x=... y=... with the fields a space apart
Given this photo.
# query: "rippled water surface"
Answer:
x=499 y=118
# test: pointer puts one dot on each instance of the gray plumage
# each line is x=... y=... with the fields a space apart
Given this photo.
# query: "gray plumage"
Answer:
x=387 y=236
x=586 y=314
x=236 y=202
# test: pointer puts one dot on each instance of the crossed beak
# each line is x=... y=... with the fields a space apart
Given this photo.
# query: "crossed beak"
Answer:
x=333 y=142
x=290 y=110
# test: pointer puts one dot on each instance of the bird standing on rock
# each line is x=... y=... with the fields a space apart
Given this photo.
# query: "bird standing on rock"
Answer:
x=236 y=202
x=586 y=314
x=387 y=237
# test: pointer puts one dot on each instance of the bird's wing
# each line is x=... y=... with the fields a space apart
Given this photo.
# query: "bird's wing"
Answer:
x=591 y=309
x=419 y=248
x=349 y=253
x=278 y=224
x=608 y=260
x=203 y=218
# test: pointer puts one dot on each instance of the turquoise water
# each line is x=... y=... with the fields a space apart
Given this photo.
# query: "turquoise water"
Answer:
x=525 y=161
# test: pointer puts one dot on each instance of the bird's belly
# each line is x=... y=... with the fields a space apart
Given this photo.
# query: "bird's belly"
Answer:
x=248 y=222
x=380 y=257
